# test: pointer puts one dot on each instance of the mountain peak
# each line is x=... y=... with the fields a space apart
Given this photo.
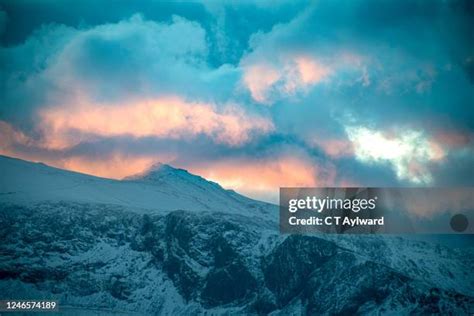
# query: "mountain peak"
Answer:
x=163 y=168
x=159 y=171
x=164 y=173
x=161 y=187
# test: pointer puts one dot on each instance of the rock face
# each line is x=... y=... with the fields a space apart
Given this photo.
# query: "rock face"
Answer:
x=111 y=257
x=108 y=257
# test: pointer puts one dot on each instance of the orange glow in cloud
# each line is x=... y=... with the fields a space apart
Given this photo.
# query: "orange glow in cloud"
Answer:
x=261 y=179
x=165 y=118
x=310 y=71
x=115 y=166
x=259 y=79
x=10 y=136
x=258 y=178
x=453 y=139
x=286 y=77
x=335 y=148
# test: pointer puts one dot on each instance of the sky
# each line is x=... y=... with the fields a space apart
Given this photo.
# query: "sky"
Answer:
x=254 y=95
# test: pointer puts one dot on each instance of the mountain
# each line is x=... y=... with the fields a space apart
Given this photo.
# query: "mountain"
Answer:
x=171 y=243
x=161 y=188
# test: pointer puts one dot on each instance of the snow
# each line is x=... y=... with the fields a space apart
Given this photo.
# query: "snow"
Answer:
x=162 y=188
x=87 y=226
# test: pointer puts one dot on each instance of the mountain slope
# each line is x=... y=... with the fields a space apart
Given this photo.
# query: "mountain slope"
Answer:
x=102 y=253
x=162 y=188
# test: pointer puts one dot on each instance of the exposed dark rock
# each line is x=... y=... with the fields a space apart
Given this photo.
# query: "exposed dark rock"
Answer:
x=112 y=256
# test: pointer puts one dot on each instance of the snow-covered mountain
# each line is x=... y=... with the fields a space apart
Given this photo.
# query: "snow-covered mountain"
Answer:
x=171 y=243
x=161 y=188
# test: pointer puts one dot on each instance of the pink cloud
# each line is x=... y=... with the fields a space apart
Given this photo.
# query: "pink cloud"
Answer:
x=171 y=118
x=258 y=178
x=60 y=128
x=262 y=178
x=453 y=139
x=259 y=79
x=114 y=165
x=335 y=148
x=11 y=137
x=310 y=71
x=285 y=77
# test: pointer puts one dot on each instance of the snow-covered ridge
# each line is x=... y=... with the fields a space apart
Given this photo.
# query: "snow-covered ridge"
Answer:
x=161 y=188
x=162 y=172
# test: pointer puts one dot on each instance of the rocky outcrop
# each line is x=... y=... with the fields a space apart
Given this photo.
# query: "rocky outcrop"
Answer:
x=111 y=257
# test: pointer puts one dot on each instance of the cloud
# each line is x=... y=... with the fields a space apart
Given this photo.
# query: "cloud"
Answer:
x=408 y=152
x=383 y=62
x=264 y=80
x=11 y=139
x=69 y=88
x=132 y=57
x=108 y=63
x=256 y=176
x=114 y=165
x=335 y=148
x=454 y=139
x=171 y=118
x=261 y=178
x=288 y=63
x=258 y=79
x=185 y=82
x=434 y=201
